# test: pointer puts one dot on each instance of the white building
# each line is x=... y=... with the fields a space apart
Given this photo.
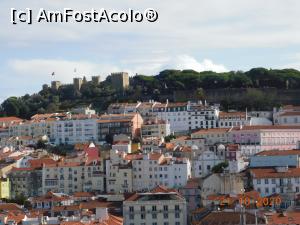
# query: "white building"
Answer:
x=155 y=128
x=182 y=116
x=70 y=177
x=119 y=172
x=161 y=206
x=154 y=169
x=122 y=146
x=281 y=180
x=230 y=119
x=205 y=162
x=214 y=136
x=287 y=115
x=75 y=129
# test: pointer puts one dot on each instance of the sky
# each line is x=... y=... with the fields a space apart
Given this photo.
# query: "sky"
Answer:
x=218 y=35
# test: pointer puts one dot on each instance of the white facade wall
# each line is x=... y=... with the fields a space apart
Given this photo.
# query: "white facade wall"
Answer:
x=118 y=173
x=269 y=186
x=162 y=212
x=74 y=131
x=204 y=163
x=147 y=173
x=66 y=179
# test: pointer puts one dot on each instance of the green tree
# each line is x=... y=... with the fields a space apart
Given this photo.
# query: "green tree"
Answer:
x=219 y=168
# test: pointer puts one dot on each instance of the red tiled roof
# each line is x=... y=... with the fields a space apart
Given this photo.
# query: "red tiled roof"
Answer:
x=231 y=114
x=279 y=152
x=227 y=218
x=284 y=218
x=10 y=119
x=82 y=194
x=36 y=163
x=133 y=156
x=155 y=156
x=192 y=183
x=63 y=164
x=10 y=207
x=271 y=127
x=212 y=130
x=15 y=169
x=65 y=208
x=272 y=173
x=15 y=216
x=297 y=113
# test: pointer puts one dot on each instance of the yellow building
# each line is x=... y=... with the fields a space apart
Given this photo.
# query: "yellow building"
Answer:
x=4 y=188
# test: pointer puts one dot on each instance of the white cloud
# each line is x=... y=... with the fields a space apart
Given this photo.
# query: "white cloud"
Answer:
x=187 y=62
x=41 y=69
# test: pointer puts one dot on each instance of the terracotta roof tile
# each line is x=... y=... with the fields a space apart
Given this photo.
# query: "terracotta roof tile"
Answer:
x=272 y=173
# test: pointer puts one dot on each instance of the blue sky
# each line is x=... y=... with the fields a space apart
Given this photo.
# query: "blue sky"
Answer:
x=193 y=34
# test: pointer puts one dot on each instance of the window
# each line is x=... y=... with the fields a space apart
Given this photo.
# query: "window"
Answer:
x=258 y=181
x=177 y=215
x=166 y=223
x=273 y=181
x=154 y=208
x=154 y=215
x=143 y=216
x=177 y=223
x=177 y=207
x=131 y=216
x=267 y=190
x=165 y=208
x=166 y=215
x=143 y=208
x=131 y=209
x=266 y=181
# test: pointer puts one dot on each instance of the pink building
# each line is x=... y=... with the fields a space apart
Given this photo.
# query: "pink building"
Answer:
x=267 y=137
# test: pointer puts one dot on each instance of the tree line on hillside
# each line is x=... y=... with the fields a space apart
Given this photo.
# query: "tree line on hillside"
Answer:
x=165 y=83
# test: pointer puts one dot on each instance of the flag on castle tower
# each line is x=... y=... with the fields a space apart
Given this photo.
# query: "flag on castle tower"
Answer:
x=53 y=73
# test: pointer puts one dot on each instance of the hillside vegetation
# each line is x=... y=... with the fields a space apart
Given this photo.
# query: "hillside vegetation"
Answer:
x=166 y=83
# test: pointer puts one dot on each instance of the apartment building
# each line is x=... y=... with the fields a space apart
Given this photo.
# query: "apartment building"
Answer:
x=74 y=129
x=267 y=137
x=189 y=142
x=113 y=124
x=154 y=168
x=119 y=172
x=8 y=121
x=281 y=180
x=232 y=119
x=25 y=181
x=155 y=128
x=161 y=206
x=123 y=108
x=287 y=115
x=203 y=164
x=214 y=135
x=74 y=176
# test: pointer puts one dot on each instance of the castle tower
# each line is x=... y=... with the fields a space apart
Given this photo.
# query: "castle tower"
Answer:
x=120 y=81
x=77 y=82
x=55 y=85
